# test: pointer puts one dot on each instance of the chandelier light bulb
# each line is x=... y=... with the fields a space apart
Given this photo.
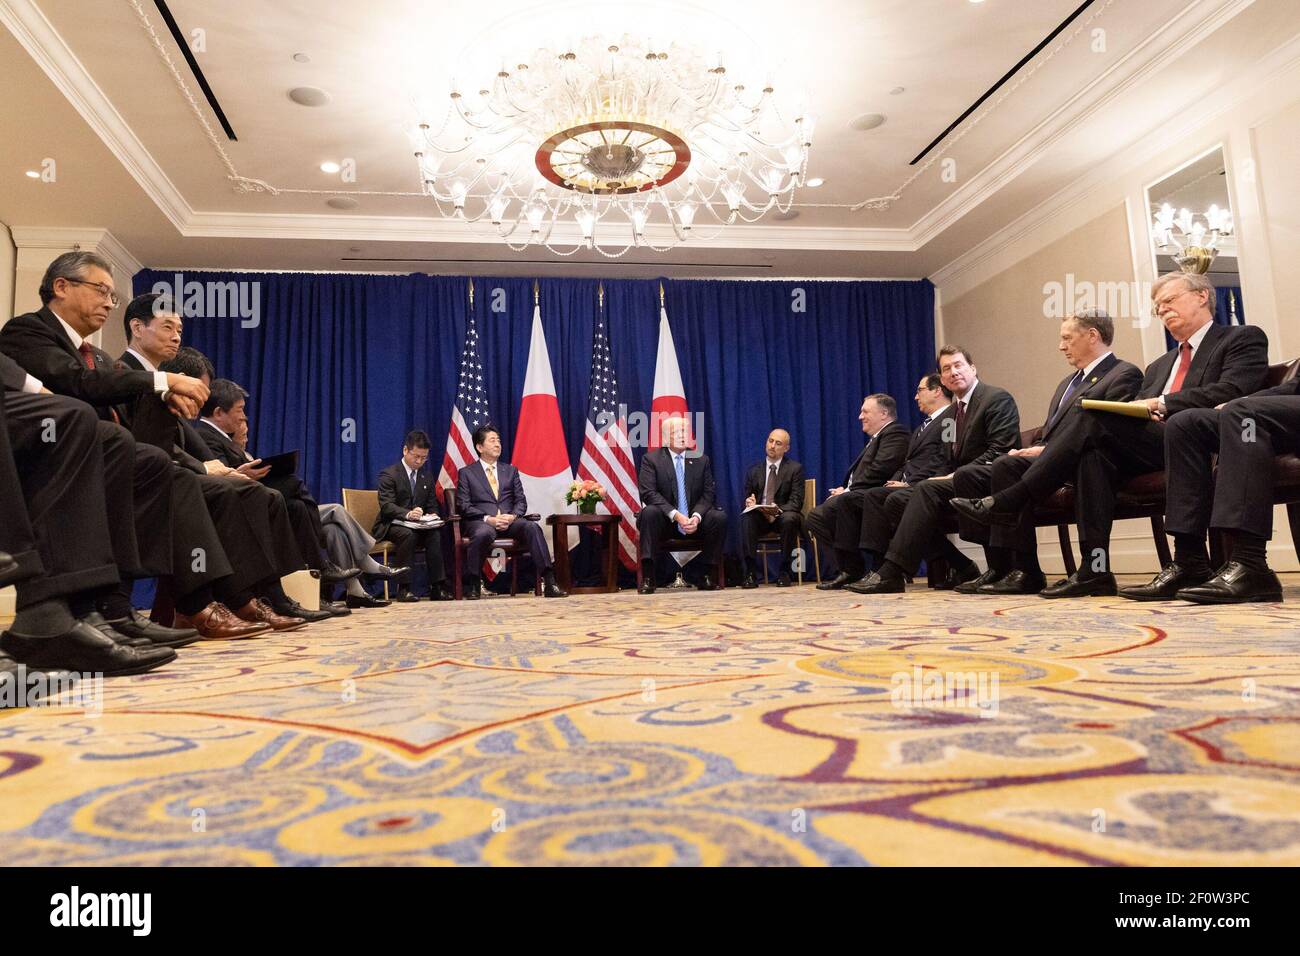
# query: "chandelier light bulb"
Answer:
x=536 y=213
x=793 y=159
x=733 y=194
x=807 y=123
x=639 y=217
x=772 y=182
x=497 y=209
x=586 y=222
x=686 y=215
x=458 y=191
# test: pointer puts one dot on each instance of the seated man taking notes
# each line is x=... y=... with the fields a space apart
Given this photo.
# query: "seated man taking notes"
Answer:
x=408 y=517
x=773 y=503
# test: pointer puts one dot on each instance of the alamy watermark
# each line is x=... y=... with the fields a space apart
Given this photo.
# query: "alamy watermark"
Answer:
x=1121 y=300
x=235 y=299
x=63 y=689
x=929 y=688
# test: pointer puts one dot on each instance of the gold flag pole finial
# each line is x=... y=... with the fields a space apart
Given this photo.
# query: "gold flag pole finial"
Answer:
x=661 y=295
x=600 y=293
x=535 y=297
x=471 y=294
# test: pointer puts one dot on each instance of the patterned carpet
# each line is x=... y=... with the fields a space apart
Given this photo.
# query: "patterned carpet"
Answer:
x=743 y=727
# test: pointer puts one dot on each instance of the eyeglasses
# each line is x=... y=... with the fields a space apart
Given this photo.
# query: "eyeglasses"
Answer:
x=99 y=287
x=1160 y=306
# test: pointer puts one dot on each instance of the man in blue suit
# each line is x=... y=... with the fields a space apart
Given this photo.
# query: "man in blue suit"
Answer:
x=491 y=502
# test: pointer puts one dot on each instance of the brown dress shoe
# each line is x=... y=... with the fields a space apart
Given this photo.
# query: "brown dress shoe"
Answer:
x=216 y=622
x=258 y=611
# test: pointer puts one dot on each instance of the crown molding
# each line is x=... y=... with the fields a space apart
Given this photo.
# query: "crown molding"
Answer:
x=42 y=42
x=39 y=38
x=1190 y=27
x=409 y=228
x=960 y=275
x=63 y=238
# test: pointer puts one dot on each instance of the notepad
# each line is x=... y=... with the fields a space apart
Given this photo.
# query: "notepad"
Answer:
x=1116 y=408
x=281 y=465
x=770 y=510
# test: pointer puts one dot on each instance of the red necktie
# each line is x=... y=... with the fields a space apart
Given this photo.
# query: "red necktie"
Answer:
x=1183 y=365
x=960 y=417
x=88 y=357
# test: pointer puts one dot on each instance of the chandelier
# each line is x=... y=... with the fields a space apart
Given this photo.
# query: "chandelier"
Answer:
x=1193 y=241
x=611 y=147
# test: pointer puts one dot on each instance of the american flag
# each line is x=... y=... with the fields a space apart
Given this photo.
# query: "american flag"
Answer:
x=468 y=412
x=606 y=457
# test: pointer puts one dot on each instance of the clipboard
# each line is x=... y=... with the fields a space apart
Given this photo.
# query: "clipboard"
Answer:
x=282 y=465
x=1116 y=408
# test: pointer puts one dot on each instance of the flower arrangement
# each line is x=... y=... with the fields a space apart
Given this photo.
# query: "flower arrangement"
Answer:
x=586 y=495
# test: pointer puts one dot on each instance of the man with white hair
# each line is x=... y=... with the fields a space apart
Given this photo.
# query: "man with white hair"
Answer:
x=1099 y=451
x=677 y=501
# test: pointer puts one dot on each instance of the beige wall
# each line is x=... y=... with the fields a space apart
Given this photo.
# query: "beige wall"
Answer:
x=1002 y=321
x=1277 y=146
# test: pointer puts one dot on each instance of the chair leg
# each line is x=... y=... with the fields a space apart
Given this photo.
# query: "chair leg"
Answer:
x=817 y=558
x=383 y=556
x=722 y=572
x=514 y=574
x=1067 y=550
x=1162 y=542
x=762 y=556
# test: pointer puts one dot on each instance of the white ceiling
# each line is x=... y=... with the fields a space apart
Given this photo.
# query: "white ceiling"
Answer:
x=135 y=158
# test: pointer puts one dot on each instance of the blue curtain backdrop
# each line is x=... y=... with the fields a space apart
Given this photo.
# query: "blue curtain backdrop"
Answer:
x=384 y=352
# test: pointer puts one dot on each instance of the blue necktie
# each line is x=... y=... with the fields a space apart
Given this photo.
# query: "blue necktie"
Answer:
x=680 y=465
x=925 y=423
x=1065 y=396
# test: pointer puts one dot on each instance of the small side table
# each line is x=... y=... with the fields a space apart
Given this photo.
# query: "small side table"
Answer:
x=608 y=526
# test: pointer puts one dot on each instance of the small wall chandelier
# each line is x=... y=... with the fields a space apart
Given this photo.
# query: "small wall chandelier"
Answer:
x=1192 y=240
x=613 y=146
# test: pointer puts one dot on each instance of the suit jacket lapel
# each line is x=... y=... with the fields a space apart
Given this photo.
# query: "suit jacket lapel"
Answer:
x=1200 y=358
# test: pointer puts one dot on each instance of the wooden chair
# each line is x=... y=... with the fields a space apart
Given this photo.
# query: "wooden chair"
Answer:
x=809 y=502
x=513 y=548
x=363 y=505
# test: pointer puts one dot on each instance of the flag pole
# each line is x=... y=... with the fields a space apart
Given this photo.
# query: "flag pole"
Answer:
x=471 y=295
x=535 y=298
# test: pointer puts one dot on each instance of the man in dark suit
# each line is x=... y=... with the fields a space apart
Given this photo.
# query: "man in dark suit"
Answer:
x=268 y=551
x=927 y=454
x=776 y=482
x=838 y=520
x=985 y=424
x=220 y=416
x=1099 y=451
x=491 y=503
x=677 y=501
x=54 y=532
x=1011 y=544
x=161 y=524
x=406 y=494
x=1247 y=434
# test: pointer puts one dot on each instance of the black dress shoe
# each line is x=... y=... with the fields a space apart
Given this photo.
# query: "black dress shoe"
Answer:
x=1016 y=582
x=954 y=578
x=706 y=583
x=440 y=592
x=974 y=584
x=137 y=625
x=1173 y=577
x=291 y=608
x=474 y=590
x=336 y=608
x=331 y=573
x=750 y=582
x=84 y=649
x=982 y=510
x=841 y=580
x=24 y=694
x=1095 y=585
x=387 y=572
x=405 y=597
x=647 y=586
x=100 y=623
x=783 y=580
x=1234 y=583
x=368 y=600
x=873 y=583
x=552 y=590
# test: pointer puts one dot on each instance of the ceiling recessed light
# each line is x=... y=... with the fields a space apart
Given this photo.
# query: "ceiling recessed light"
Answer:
x=342 y=202
x=896 y=90
x=301 y=58
x=787 y=215
x=330 y=167
x=309 y=96
x=867 y=121
x=32 y=174
x=354 y=248
x=815 y=182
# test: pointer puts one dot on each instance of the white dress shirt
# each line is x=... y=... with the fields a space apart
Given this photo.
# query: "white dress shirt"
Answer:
x=1195 y=342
